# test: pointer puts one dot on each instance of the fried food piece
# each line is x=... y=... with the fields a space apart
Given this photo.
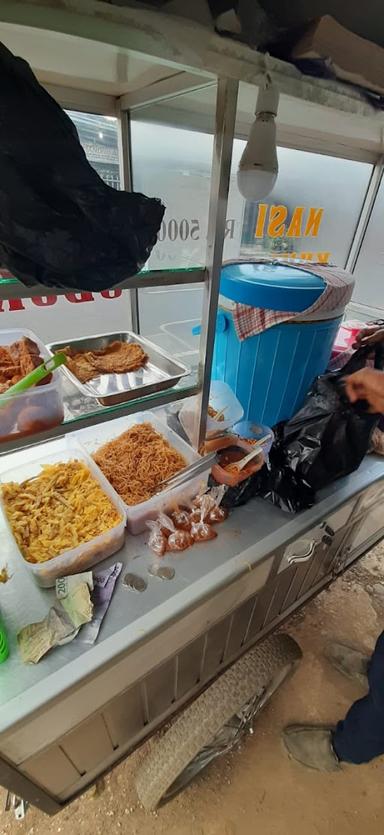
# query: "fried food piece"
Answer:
x=5 y=356
x=29 y=356
x=79 y=365
x=117 y=358
x=8 y=373
x=18 y=359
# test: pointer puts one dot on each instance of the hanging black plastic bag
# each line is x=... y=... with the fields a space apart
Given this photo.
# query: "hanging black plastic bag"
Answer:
x=329 y=436
x=60 y=224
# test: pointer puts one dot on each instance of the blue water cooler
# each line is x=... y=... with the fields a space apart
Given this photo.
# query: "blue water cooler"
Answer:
x=271 y=373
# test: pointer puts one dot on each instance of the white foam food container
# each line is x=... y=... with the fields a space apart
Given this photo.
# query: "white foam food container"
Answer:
x=36 y=409
x=84 y=556
x=137 y=515
x=221 y=397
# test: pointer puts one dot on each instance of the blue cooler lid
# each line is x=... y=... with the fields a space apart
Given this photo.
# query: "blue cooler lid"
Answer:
x=274 y=286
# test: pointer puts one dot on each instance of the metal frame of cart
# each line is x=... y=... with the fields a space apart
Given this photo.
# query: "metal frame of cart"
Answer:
x=78 y=722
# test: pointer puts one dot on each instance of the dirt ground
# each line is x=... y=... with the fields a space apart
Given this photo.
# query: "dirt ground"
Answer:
x=258 y=789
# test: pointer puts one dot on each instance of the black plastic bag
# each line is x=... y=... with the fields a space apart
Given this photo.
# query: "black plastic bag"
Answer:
x=275 y=483
x=238 y=495
x=60 y=224
x=325 y=440
x=329 y=436
x=282 y=486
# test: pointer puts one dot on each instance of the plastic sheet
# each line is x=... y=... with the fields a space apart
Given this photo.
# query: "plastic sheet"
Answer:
x=60 y=224
x=217 y=515
x=157 y=540
x=181 y=519
x=329 y=436
x=202 y=532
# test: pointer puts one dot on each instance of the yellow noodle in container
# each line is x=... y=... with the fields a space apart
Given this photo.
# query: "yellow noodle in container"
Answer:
x=64 y=515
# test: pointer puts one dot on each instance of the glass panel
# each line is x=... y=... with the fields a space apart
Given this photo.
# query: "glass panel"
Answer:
x=369 y=269
x=98 y=136
x=177 y=168
x=312 y=211
x=175 y=165
x=170 y=317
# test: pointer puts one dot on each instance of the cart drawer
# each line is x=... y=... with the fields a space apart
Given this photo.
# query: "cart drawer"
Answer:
x=52 y=770
x=88 y=745
x=366 y=532
x=373 y=495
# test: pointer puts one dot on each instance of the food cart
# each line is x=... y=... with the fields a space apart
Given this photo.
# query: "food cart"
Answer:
x=67 y=720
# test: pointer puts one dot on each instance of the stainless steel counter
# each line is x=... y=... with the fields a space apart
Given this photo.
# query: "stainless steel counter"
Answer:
x=250 y=534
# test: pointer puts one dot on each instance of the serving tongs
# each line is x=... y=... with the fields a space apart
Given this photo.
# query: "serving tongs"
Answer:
x=187 y=473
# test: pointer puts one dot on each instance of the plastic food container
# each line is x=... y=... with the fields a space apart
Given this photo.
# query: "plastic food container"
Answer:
x=137 y=515
x=87 y=554
x=229 y=456
x=221 y=397
x=37 y=409
x=249 y=431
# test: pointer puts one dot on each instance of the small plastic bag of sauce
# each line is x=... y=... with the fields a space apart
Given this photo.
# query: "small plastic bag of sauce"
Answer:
x=200 y=529
x=157 y=541
x=217 y=514
x=181 y=519
x=206 y=503
x=202 y=532
x=195 y=515
x=178 y=540
x=200 y=496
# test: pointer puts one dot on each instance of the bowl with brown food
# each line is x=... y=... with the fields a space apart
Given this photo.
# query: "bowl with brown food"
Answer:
x=39 y=407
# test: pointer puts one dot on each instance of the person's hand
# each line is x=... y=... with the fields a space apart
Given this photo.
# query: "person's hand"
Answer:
x=369 y=336
x=367 y=384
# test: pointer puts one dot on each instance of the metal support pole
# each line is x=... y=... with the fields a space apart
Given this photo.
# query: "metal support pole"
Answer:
x=125 y=164
x=365 y=214
x=226 y=102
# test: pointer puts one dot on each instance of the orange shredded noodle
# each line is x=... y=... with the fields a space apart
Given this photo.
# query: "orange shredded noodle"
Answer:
x=137 y=461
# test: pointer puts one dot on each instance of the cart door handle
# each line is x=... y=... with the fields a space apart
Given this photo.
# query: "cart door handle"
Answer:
x=293 y=558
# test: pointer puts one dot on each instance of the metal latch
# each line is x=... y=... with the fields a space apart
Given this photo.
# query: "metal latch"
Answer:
x=17 y=805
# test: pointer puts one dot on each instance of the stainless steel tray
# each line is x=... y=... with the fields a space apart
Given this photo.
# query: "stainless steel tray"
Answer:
x=160 y=371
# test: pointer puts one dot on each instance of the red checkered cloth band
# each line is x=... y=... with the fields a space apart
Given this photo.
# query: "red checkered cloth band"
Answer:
x=337 y=292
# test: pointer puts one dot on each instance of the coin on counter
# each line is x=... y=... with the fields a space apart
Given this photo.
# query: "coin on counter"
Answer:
x=134 y=583
x=163 y=572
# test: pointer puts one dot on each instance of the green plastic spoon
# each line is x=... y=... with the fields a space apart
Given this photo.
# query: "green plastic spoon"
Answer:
x=33 y=377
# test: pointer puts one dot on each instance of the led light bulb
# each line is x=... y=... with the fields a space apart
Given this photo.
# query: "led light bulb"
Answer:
x=258 y=166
